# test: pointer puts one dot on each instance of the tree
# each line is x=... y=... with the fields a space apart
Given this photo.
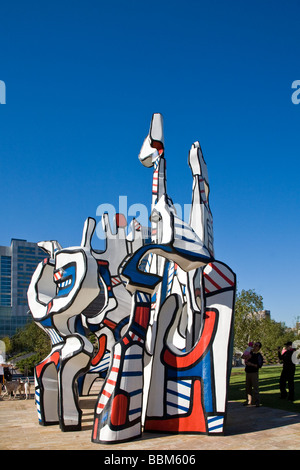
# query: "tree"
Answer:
x=31 y=339
x=271 y=334
x=246 y=323
x=7 y=344
x=250 y=327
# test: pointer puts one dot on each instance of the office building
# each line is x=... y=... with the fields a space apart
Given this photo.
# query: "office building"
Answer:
x=17 y=264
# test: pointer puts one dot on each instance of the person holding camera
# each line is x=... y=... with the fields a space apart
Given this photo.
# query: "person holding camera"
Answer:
x=288 y=371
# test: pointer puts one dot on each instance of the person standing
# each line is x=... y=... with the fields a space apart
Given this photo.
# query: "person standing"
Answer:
x=2 y=364
x=4 y=370
x=288 y=371
x=253 y=364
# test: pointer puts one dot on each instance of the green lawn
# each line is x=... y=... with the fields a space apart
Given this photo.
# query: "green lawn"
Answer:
x=268 y=388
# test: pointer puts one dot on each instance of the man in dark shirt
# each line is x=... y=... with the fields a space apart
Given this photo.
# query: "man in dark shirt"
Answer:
x=288 y=371
x=253 y=364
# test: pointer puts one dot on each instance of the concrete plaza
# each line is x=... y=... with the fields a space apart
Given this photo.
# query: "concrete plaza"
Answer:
x=248 y=428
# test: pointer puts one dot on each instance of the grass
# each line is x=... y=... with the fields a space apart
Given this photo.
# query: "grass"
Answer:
x=268 y=388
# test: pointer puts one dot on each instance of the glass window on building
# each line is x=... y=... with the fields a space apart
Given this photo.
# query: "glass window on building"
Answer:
x=5 y=266
x=5 y=281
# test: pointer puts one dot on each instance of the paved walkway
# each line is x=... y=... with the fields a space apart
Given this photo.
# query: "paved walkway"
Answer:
x=248 y=428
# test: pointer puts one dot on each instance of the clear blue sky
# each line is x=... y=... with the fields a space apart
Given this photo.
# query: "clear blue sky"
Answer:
x=82 y=81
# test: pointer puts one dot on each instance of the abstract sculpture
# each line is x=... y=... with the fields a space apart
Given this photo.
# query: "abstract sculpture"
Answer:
x=162 y=312
x=73 y=291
